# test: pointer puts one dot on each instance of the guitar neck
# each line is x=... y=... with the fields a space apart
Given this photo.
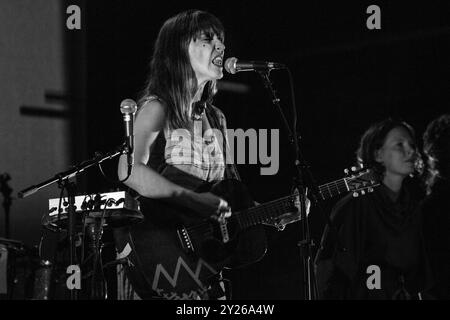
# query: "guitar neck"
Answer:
x=268 y=211
x=265 y=212
x=334 y=188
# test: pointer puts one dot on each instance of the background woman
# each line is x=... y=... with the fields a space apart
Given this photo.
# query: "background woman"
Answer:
x=373 y=248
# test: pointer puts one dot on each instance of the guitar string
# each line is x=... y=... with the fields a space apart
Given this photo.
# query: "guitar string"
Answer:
x=259 y=215
x=335 y=186
x=204 y=229
x=322 y=189
x=342 y=181
x=266 y=210
x=267 y=207
x=280 y=204
x=275 y=204
x=249 y=218
x=270 y=204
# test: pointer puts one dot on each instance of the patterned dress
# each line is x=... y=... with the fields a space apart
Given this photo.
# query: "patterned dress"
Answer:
x=190 y=158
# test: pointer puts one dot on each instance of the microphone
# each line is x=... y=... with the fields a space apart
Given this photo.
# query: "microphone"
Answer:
x=233 y=65
x=128 y=108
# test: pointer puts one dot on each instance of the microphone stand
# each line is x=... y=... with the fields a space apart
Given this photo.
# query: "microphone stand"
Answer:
x=7 y=200
x=309 y=281
x=64 y=182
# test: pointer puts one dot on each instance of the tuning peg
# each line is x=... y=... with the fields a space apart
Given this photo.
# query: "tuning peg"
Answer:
x=363 y=192
x=355 y=194
x=354 y=168
x=370 y=189
x=346 y=171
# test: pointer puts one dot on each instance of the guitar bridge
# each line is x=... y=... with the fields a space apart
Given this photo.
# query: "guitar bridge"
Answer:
x=185 y=240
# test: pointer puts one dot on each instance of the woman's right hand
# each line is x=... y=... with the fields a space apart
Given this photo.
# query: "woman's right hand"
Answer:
x=208 y=204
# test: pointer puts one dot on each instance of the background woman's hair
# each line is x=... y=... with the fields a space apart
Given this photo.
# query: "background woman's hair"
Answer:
x=374 y=138
x=171 y=76
x=436 y=147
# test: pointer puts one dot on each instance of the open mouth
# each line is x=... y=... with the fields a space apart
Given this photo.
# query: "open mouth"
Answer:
x=218 y=61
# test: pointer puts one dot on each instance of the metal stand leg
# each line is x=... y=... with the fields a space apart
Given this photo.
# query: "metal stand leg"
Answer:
x=98 y=282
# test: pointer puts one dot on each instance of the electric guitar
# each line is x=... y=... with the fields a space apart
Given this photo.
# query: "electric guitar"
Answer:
x=174 y=253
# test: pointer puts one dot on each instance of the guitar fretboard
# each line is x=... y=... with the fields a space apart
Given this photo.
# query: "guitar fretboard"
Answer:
x=332 y=189
x=265 y=212
x=270 y=210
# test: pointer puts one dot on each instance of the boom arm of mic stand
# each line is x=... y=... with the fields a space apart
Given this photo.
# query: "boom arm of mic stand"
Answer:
x=99 y=158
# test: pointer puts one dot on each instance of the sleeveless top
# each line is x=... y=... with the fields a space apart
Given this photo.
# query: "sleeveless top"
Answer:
x=191 y=157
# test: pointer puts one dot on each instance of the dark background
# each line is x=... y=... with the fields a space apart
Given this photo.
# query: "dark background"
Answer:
x=345 y=78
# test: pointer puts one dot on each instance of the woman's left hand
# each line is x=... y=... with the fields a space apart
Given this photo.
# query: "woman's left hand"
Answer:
x=290 y=217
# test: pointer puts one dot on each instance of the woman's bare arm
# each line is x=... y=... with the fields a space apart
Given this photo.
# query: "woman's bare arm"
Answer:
x=149 y=183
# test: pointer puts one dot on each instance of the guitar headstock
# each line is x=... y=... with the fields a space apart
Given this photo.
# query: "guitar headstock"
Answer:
x=360 y=180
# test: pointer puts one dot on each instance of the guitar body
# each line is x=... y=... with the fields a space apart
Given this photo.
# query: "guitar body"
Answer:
x=163 y=266
x=176 y=253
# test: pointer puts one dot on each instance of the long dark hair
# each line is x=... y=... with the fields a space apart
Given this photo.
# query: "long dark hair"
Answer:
x=373 y=139
x=171 y=76
x=436 y=147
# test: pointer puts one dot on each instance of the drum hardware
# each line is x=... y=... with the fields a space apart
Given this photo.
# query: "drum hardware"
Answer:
x=16 y=260
x=117 y=209
x=94 y=212
x=43 y=281
x=93 y=215
x=64 y=183
x=98 y=282
x=95 y=232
